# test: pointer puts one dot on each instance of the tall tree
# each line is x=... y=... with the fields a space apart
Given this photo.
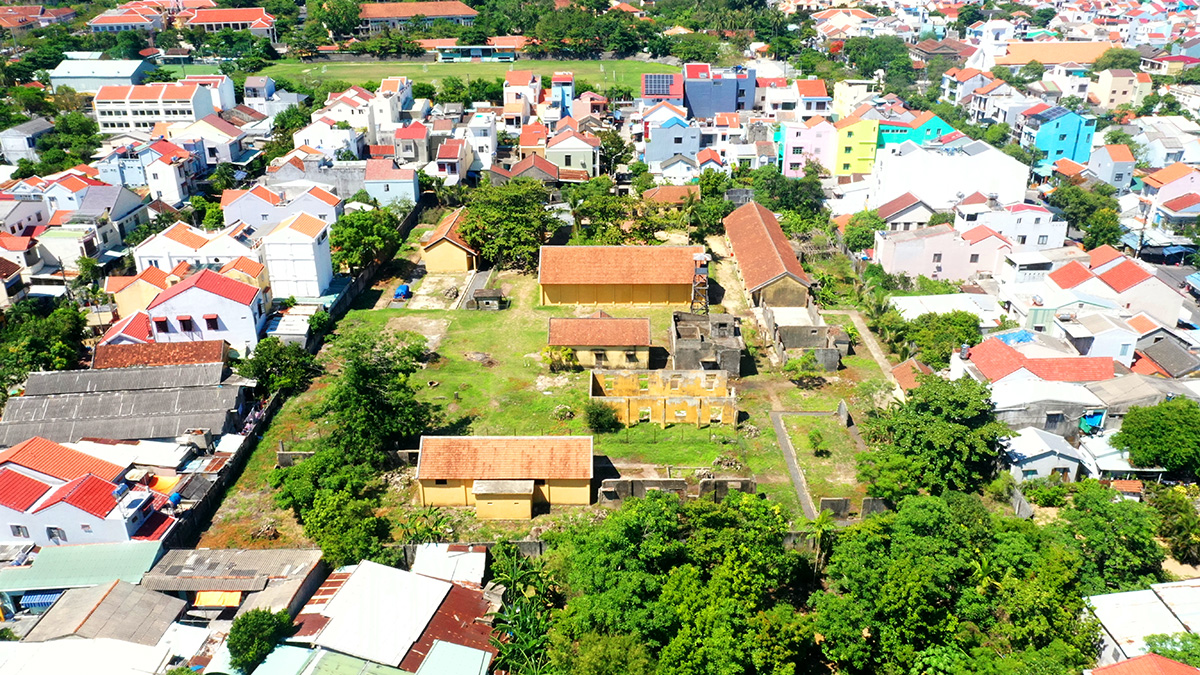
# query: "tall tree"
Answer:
x=358 y=236
x=1103 y=228
x=1166 y=435
x=508 y=224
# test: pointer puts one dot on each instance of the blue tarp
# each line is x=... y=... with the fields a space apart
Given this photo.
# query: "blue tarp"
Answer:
x=40 y=599
x=1016 y=337
x=1193 y=280
x=1172 y=250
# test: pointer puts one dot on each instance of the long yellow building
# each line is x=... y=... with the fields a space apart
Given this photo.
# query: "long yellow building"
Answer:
x=504 y=476
x=618 y=275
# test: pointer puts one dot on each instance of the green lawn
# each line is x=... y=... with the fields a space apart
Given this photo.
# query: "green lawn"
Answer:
x=194 y=69
x=832 y=475
x=599 y=73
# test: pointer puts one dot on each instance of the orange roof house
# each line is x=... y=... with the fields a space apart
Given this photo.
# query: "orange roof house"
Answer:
x=618 y=275
x=603 y=341
x=446 y=250
x=766 y=262
x=503 y=476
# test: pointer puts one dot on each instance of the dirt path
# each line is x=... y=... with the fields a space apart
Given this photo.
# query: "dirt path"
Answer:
x=867 y=338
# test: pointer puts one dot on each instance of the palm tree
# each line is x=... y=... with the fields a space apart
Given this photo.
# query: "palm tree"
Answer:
x=686 y=215
x=574 y=202
x=875 y=304
x=820 y=530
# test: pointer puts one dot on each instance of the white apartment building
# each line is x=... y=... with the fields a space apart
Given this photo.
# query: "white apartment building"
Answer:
x=120 y=108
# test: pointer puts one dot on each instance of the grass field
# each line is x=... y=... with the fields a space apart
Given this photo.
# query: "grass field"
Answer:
x=833 y=473
x=194 y=69
x=599 y=73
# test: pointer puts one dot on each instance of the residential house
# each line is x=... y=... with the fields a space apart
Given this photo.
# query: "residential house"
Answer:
x=708 y=90
x=504 y=476
x=22 y=252
x=1164 y=187
x=124 y=19
x=210 y=306
x=388 y=184
x=602 y=341
x=297 y=256
x=940 y=176
x=906 y=212
x=276 y=580
x=674 y=137
x=20 y=215
x=253 y=19
x=1168 y=65
x=1116 y=87
x=856 y=143
x=940 y=252
x=214 y=140
x=121 y=108
x=572 y=150
x=959 y=83
x=995 y=360
x=12 y=286
x=134 y=293
x=453 y=161
x=662 y=88
x=813 y=140
x=1057 y=132
x=380 y=16
x=1113 y=164
x=767 y=266
x=1029 y=227
x=220 y=87
x=618 y=275
x=411 y=144
x=1167 y=140
x=522 y=85
x=1035 y=453
x=330 y=138
x=20 y=141
x=922 y=129
x=259 y=93
x=182 y=243
x=1097 y=334
x=116 y=611
x=260 y=206
x=481 y=136
x=446 y=250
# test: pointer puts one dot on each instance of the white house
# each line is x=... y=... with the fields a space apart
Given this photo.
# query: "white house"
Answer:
x=121 y=108
x=942 y=177
x=326 y=136
x=1029 y=227
x=213 y=139
x=940 y=252
x=388 y=184
x=219 y=86
x=261 y=206
x=1034 y=453
x=209 y=306
x=182 y=243
x=297 y=257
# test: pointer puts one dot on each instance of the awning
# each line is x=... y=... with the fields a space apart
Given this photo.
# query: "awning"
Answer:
x=210 y=316
x=218 y=599
x=1173 y=250
x=184 y=317
x=39 y=600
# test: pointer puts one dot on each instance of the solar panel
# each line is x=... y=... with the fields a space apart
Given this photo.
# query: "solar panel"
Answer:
x=658 y=84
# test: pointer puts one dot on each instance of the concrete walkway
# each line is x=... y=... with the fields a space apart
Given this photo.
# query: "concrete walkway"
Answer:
x=867 y=338
x=789 y=455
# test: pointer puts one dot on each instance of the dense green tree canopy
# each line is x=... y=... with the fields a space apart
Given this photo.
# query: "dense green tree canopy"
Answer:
x=253 y=636
x=937 y=336
x=358 y=236
x=1166 y=435
x=508 y=224
x=278 y=366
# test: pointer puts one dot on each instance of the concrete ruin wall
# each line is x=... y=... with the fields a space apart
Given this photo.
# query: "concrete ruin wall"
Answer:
x=666 y=396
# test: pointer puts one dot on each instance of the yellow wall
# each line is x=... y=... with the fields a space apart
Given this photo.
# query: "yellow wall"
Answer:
x=565 y=492
x=504 y=507
x=860 y=138
x=453 y=493
x=458 y=493
x=444 y=256
x=667 y=396
x=783 y=292
x=134 y=297
x=617 y=294
x=614 y=358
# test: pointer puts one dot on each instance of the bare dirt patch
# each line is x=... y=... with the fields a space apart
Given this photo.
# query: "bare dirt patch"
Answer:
x=546 y=382
x=434 y=330
x=431 y=293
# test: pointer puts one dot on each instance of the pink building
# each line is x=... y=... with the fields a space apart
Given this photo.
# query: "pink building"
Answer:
x=940 y=252
x=813 y=139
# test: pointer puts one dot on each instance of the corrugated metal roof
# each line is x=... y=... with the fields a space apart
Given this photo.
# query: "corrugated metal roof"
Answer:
x=117 y=610
x=123 y=379
x=82 y=565
x=228 y=569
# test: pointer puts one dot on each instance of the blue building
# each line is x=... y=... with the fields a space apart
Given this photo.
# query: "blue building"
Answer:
x=127 y=164
x=708 y=91
x=1058 y=132
x=676 y=137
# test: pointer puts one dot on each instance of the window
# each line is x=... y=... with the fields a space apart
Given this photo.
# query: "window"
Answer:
x=974 y=257
x=848 y=150
x=210 y=322
x=849 y=134
x=845 y=167
x=1029 y=473
x=566 y=160
x=1062 y=137
x=387 y=187
x=86 y=528
x=797 y=150
x=1053 y=420
x=599 y=356
x=1042 y=239
x=1021 y=239
x=794 y=166
x=440 y=481
x=1118 y=177
x=185 y=325
x=1124 y=350
x=937 y=257
x=539 y=481
x=19 y=531
x=631 y=357
x=264 y=217
x=56 y=533
x=161 y=326
x=678 y=140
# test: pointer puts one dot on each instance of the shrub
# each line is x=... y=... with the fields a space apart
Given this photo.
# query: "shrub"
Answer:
x=1045 y=491
x=253 y=636
x=601 y=417
x=320 y=322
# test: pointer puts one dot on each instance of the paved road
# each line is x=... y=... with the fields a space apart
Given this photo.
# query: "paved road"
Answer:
x=1174 y=275
x=789 y=455
x=478 y=281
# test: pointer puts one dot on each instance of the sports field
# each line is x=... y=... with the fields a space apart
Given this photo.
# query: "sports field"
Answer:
x=599 y=73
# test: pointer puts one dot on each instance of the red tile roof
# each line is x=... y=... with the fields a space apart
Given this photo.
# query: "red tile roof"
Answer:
x=1119 y=153
x=243 y=15
x=505 y=457
x=135 y=326
x=897 y=205
x=624 y=265
x=87 y=493
x=59 y=461
x=980 y=232
x=1125 y=276
x=251 y=268
x=447 y=229
x=811 y=88
x=599 y=330
x=18 y=491
x=217 y=284
x=996 y=360
x=671 y=194
x=1102 y=255
x=1182 y=202
x=762 y=251
x=1169 y=174
x=407 y=10
x=1142 y=323
x=1143 y=364
x=414 y=131
x=159 y=354
x=1069 y=168
x=183 y=234
x=1148 y=664
x=906 y=373
x=1070 y=275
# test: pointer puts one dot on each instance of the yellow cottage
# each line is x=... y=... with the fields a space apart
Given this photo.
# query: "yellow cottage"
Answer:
x=504 y=476
x=446 y=251
x=602 y=341
x=136 y=292
x=618 y=275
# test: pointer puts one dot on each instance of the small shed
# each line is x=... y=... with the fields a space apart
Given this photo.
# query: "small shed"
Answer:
x=486 y=299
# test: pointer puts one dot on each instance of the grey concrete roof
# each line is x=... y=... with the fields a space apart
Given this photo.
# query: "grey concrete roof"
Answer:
x=1172 y=357
x=228 y=569
x=34 y=126
x=117 y=610
x=123 y=379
